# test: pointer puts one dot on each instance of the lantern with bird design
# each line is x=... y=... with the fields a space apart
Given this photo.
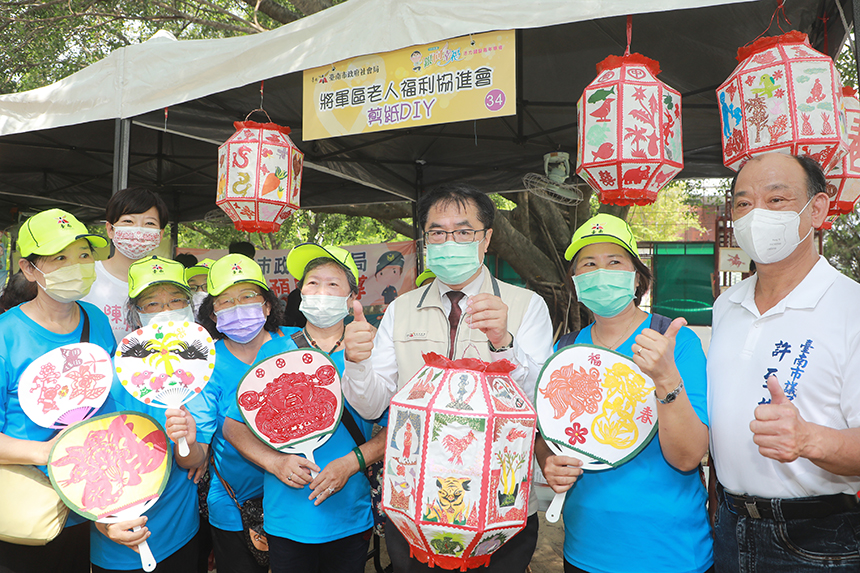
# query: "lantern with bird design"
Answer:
x=458 y=460
x=629 y=131
x=784 y=96
x=843 y=181
x=259 y=176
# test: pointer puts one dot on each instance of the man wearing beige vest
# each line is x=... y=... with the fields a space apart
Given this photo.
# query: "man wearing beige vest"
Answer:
x=465 y=306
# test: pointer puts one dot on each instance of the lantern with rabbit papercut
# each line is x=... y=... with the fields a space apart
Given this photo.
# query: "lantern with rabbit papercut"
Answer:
x=843 y=181
x=629 y=131
x=259 y=176
x=458 y=461
x=783 y=96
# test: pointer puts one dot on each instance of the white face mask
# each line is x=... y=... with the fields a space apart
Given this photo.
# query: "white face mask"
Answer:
x=136 y=242
x=324 y=310
x=769 y=236
x=178 y=316
x=197 y=299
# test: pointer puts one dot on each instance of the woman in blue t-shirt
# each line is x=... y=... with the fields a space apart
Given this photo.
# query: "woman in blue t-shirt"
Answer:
x=323 y=523
x=57 y=257
x=654 y=505
x=157 y=293
x=244 y=337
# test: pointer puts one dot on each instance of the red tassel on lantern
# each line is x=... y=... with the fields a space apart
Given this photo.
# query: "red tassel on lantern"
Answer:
x=259 y=176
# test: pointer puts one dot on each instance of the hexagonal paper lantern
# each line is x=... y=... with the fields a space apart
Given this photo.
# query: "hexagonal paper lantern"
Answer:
x=783 y=96
x=458 y=461
x=843 y=181
x=629 y=131
x=259 y=176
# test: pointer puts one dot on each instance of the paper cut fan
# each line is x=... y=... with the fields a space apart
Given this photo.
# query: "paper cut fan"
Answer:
x=597 y=403
x=66 y=385
x=112 y=468
x=292 y=401
x=166 y=365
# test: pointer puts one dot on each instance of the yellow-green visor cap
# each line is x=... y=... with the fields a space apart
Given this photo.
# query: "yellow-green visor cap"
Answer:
x=602 y=228
x=233 y=269
x=428 y=274
x=201 y=268
x=301 y=255
x=154 y=270
x=51 y=231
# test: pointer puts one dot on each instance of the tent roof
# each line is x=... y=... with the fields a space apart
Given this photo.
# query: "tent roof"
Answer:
x=56 y=142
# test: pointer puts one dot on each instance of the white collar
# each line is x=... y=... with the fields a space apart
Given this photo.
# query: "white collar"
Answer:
x=807 y=294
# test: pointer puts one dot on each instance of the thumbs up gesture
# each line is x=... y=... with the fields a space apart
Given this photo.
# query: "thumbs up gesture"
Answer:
x=358 y=338
x=778 y=429
x=654 y=353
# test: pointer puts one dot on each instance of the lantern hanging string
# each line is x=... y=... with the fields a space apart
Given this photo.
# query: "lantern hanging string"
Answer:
x=629 y=34
x=256 y=110
x=165 y=120
x=261 y=93
x=826 y=44
x=780 y=6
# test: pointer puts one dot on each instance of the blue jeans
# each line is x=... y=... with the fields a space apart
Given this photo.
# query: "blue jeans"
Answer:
x=745 y=545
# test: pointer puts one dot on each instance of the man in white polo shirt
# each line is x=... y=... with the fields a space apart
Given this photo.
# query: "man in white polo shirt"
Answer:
x=784 y=384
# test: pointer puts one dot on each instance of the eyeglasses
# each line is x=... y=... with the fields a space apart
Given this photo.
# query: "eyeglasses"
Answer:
x=197 y=288
x=244 y=298
x=438 y=236
x=155 y=306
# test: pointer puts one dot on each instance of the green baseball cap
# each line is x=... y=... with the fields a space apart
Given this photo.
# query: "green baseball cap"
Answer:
x=302 y=254
x=233 y=269
x=389 y=258
x=602 y=228
x=428 y=274
x=201 y=268
x=51 y=231
x=155 y=270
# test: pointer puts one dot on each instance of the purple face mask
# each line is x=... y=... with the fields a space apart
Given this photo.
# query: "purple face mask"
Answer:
x=241 y=323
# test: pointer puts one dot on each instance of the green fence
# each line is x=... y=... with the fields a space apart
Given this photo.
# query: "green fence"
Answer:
x=682 y=281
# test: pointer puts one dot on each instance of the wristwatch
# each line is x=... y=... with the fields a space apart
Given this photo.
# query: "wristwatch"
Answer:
x=671 y=396
x=503 y=348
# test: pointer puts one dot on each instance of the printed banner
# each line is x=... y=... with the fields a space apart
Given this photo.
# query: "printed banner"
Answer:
x=471 y=77
x=385 y=271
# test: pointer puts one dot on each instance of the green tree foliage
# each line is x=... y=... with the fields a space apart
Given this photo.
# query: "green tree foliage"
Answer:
x=667 y=218
x=842 y=245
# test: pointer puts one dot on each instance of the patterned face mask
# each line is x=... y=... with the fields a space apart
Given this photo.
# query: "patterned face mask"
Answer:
x=136 y=242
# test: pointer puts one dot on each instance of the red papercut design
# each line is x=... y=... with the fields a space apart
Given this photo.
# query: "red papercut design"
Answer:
x=646 y=415
x=765 y=58
x=46 y=384
x=439 y=361
x=817 y=93
x=307 y=358
x=827 y=129
x=602 y=113
x=735 y=144
x=456 y=446
x=606 y=178
x=421 y=389
x=735 y=261
x=71 y=358
x=280 y=363
x=294 y=405
x=807 y=128
x=778 y=128
x=84 y=384
x=111 y=460
x=575 y=389
x=577 y=434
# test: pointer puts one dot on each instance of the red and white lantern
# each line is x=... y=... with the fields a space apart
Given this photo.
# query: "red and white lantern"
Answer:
x=458 y=461
x=783 y=96
x=259 y=176
x=843 y=181
x=629 y=131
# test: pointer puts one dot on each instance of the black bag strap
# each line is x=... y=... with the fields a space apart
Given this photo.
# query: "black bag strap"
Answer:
x=659 y=323
x=352 y=426
x=300 y=340
x=227 y=487
x=85 y=331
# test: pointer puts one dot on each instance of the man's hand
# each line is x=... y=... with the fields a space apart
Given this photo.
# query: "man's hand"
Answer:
x=778 y=430
x=489 y=314
x=358 y=338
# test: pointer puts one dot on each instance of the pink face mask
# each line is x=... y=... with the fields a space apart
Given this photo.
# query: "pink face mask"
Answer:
x=136 y=242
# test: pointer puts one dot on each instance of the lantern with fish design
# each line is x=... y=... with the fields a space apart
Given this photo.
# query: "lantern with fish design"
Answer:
x=259 y=176
x=458 y=461
x=843 y=181
x=629 y=131
x=784 y=96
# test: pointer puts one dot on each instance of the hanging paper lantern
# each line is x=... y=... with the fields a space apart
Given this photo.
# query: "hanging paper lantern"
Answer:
x=843 y=181
x=259 y=176
x=783 y=96
x=629 y=131
x=458 y=461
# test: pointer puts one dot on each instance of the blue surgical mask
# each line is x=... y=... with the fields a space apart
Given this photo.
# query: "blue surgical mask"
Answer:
x=242 y=322
x=453 y=262
x=604 y=292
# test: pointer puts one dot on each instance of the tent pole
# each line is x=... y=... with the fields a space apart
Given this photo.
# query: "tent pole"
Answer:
x=122 y=137
x=855 y=7
x=419 y=233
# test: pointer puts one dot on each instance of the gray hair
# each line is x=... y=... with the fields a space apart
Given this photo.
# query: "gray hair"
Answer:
x=132 y=315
